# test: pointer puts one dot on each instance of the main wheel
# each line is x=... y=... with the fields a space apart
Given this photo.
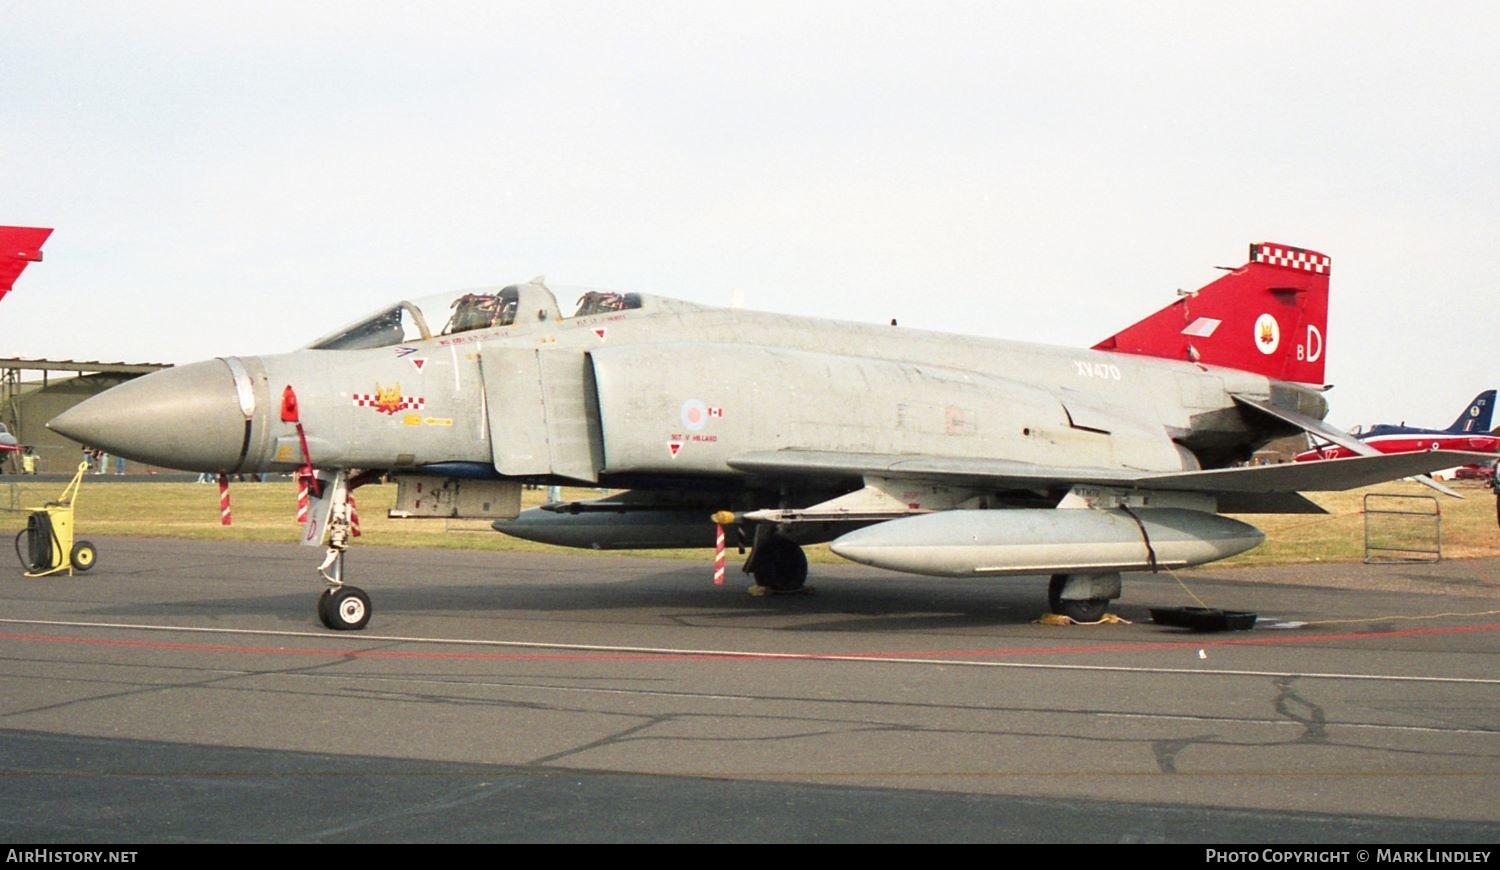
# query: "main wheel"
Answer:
x=780 y=565
x=83 y=556
x=1076 y=609
x=346 y=608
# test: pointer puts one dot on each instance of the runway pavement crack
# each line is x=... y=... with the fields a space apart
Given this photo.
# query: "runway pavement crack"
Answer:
x=436 y=808
x=1298 y=709
x=1166 y=750
x=622 y=736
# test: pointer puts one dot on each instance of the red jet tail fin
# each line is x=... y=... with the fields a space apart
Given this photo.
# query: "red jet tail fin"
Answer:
x=19 y=247
x=1270 y=317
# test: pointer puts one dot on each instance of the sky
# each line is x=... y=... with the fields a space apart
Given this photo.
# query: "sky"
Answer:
x=240 y=178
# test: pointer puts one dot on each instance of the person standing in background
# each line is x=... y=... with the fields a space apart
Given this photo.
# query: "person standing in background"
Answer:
x=1495 y=485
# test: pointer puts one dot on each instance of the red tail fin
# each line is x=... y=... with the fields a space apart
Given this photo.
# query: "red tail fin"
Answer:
x=1269 y=316
x=19 y=246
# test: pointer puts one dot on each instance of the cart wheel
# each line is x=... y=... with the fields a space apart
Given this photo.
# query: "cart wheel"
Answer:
x=82 y=556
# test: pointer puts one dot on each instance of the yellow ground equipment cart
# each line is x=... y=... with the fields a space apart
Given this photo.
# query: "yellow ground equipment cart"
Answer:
x=50 y=548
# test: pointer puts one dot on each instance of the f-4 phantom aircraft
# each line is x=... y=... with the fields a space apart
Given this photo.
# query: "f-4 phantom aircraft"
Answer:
x=908 y=450
x=1471 y=431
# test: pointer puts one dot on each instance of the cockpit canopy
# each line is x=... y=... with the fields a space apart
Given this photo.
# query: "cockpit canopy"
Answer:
x=467 y=311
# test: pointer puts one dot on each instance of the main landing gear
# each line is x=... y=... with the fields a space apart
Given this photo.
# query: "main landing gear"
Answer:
x=1082 y=597
x=776 y=562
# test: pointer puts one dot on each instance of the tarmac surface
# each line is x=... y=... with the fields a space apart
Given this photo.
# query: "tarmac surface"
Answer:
x=185 y=692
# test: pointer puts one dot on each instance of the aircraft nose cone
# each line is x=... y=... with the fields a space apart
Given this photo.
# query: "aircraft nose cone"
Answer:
x=186 y=417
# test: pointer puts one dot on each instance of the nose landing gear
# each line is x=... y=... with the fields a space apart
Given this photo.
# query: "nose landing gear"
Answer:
x=330 y=511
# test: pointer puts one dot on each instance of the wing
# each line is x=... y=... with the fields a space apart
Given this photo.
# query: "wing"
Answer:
x=1247 y=489
x=1314 y=426
x=1329 y=475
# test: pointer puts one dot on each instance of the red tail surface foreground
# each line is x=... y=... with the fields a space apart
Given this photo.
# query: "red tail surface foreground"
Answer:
x=19 y=247
x=1270 y=317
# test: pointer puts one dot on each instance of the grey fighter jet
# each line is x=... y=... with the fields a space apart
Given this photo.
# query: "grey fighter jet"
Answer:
x=908 y=450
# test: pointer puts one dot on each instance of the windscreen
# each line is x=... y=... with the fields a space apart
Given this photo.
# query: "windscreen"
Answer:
x=392 y=326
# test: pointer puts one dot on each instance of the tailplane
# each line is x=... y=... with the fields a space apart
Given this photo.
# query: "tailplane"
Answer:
x=19 y=247
x=1269 y=316
x=1476 y=417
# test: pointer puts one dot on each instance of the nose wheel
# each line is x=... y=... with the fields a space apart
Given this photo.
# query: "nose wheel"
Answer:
x=344 y=608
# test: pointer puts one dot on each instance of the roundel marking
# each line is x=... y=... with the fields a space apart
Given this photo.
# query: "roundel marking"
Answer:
x=1267 y=334
x=694 y=415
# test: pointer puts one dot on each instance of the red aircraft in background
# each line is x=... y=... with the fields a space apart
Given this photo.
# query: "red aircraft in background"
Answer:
x=19 y=247
x=1471 y=431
